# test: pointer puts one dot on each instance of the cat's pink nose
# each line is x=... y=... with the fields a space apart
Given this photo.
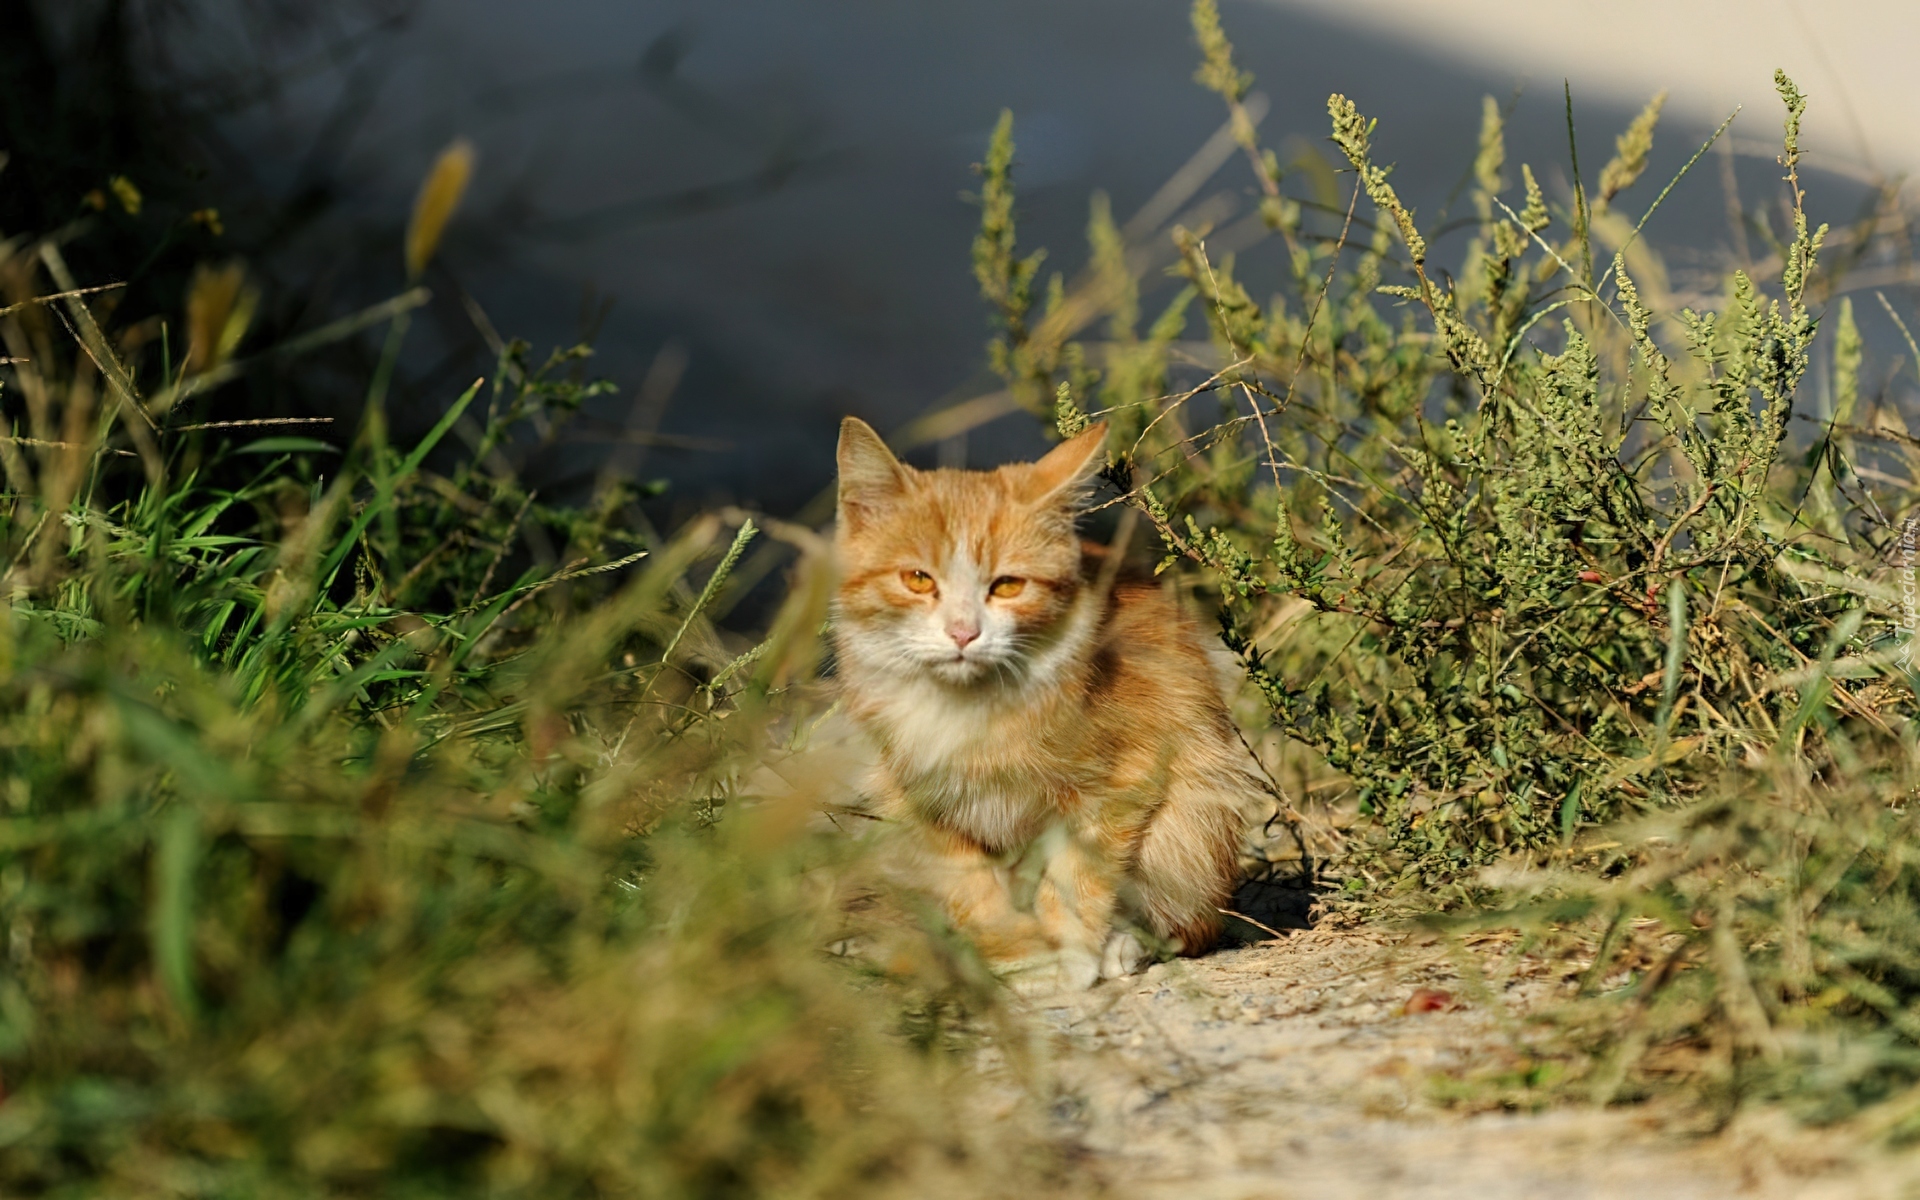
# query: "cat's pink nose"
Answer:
x=962 y=634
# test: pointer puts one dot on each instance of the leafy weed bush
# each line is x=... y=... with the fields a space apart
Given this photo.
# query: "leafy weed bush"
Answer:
x=1529 y=559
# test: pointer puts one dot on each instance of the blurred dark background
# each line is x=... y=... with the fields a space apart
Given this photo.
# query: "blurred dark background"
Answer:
x=754 y=208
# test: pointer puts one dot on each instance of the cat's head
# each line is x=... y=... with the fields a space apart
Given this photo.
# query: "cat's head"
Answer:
x=959 y=576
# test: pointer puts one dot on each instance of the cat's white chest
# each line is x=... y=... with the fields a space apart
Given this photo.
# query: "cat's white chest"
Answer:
x=960 y=765
x=929 y=736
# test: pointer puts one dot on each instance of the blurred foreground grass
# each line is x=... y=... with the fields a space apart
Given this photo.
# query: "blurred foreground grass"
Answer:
x=345 y=849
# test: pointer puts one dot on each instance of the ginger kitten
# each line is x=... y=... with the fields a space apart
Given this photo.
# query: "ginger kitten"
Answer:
x=1060 y=759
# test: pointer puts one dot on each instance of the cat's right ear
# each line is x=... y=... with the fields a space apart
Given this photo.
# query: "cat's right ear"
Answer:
x=870 y=476
x=1066 y=473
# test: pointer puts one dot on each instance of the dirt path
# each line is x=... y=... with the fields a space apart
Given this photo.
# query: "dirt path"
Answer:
x=1293 y=1069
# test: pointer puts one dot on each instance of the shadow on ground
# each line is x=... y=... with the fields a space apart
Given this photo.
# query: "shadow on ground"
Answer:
x=1263 y=909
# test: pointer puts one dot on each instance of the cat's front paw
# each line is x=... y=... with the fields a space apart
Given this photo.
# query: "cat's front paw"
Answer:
x=1124 y=955
x=1052 y=973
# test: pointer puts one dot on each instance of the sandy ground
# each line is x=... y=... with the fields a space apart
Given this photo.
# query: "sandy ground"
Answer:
x=1293 y=1069
x=1312 y=1063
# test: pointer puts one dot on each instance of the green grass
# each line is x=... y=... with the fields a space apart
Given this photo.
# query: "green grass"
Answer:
x=347 y=850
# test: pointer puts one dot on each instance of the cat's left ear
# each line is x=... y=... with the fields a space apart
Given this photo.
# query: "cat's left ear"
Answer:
x=1062 y=477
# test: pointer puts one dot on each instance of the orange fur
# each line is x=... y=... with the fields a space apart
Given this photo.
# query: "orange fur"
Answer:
x=1062 y=760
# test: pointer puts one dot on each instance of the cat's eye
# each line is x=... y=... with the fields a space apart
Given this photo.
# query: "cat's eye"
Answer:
x=1007 y=587
x=918 y=582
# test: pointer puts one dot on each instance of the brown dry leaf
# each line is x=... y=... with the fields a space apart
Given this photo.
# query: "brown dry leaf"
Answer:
x=1426 y=1000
